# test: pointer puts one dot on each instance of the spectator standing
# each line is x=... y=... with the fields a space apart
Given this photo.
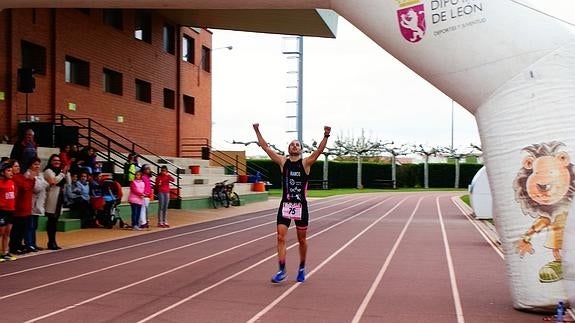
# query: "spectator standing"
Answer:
x=65 y=152
x=24 y=186
x=136 y=199
x=25 y=150
x=55 y=176
x=146 y=178
x=163 y=187
x=74 y=156
x=38 y=209
x=130 y=168
x=7 y=207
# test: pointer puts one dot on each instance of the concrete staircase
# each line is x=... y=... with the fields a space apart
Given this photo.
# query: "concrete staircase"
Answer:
x=198 y=184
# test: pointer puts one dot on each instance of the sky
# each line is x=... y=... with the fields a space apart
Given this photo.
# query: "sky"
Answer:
x=349 y=83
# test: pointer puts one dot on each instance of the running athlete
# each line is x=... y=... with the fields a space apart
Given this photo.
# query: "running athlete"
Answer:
x=293 y=206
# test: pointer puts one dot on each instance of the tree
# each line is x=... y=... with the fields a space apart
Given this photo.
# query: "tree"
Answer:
x=358 y=147
x=457 y=154
x=326 y=153
x=426 y=152
x=395 y=151
x=247 y=143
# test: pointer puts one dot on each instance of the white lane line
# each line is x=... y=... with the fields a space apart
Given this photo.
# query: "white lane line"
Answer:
x=155 y=241
x=98 y=254
x=453 y=280
x=327 y=260
x=153 y=255
x=456 y=200
x=146 y=319
x=363 y=306
x=177 y=268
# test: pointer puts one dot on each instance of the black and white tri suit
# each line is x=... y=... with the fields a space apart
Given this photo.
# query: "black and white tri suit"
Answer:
x=294 y=204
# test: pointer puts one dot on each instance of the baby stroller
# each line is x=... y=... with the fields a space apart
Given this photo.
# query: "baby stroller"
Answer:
x=105 y=207
x=109 y=215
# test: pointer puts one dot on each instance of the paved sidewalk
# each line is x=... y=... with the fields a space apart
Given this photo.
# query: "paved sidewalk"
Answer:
x=176 y=218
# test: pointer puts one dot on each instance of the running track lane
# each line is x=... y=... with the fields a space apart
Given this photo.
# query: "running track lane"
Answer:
x=372 y=258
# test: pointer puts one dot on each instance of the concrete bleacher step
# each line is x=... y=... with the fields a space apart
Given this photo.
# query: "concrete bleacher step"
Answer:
x=64 y=224
x=68 y=224
x=194 y=183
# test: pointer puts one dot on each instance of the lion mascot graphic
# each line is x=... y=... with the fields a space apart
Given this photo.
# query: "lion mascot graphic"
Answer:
x=544 y=188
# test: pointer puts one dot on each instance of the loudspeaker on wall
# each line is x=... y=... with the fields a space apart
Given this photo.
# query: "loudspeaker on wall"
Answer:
x=26 y=81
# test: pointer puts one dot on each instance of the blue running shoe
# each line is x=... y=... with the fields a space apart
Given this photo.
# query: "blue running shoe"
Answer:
x=301 y=275
x=279 y=276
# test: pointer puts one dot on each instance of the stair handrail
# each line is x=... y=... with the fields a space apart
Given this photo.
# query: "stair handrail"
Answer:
x=60 y=120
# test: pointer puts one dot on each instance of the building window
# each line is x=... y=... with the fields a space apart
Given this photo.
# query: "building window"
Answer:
x=169 y=99
x=113 y=82
x=143 y=91
x=114 y=18
x=34 y=57
x=189 y=104
x=169 y=39
x=77 y=71
x=206 y=59
x=143 y=26
x=188 y=45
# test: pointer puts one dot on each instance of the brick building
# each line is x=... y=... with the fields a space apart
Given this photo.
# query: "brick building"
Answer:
x=134 y=71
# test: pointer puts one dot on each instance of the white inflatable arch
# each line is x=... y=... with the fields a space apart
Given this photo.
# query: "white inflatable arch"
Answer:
x=510 y=66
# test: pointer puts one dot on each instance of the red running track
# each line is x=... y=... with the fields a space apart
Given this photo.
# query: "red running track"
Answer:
x=385 y=257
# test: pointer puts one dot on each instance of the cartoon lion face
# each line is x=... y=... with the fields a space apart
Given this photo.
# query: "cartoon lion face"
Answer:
x=545 y=183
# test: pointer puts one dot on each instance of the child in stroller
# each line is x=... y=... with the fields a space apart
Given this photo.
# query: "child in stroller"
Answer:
x=105 y=200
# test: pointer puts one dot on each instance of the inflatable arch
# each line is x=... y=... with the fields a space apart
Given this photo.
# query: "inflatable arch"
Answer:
x=510 y=66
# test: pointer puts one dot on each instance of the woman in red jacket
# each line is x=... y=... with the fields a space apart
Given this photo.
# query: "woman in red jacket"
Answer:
x=7 y=207
x=24 y=189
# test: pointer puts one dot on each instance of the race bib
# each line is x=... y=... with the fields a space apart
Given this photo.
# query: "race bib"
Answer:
x=291 y=211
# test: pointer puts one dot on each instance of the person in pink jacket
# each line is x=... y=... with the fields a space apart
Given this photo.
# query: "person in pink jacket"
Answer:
x=146 y=177
x=136 y=199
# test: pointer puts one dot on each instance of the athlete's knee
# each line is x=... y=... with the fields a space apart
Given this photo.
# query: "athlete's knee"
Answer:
x=281 y=239
x=281 y=236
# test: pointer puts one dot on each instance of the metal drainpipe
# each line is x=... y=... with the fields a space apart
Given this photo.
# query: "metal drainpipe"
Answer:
x=9 y=67
x=179 y=92
x=53 y=86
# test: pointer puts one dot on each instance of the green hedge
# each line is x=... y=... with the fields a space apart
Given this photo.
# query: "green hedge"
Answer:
x=344 y=174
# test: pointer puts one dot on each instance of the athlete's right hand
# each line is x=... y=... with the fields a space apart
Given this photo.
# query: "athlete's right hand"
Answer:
x=256 y=126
